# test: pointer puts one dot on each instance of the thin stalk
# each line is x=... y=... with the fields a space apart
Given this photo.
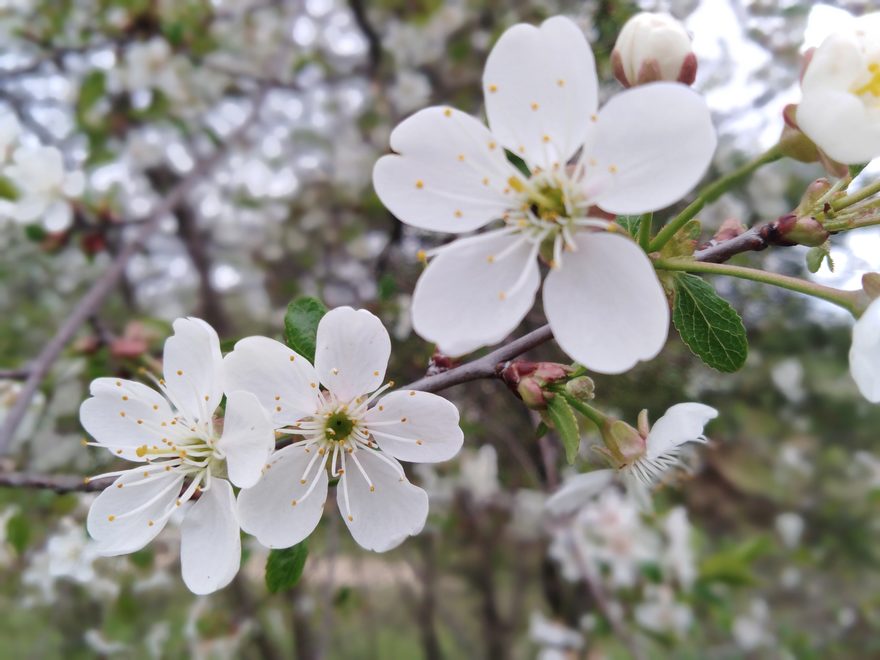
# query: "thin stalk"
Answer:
x=596 y=416
x=848 y=300
x=712 y=192
x=645 y=230
x=856 y=197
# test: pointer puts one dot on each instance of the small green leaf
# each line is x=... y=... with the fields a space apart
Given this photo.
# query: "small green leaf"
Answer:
x=301 y=325
x=632 y=224
x=285 y=567
x=707 y=323
x=684 y=242
x=565 y=423
x=518 y=163
x=92 y=89
x=8 y=189
x=817 y=256
x=18 y=532
x=35 y=233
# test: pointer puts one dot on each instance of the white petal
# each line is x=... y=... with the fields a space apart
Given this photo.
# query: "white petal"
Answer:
x=248 y=438
x=605 y=304
x=279 y=377
x=450 y=174
x=380 y=518
x=424 y=430
x=352 y=352
x=125 y=415
x=193 y=369
x=128 y=533
x=841 y=125
x=267 y=510
x=463 y=301
x=540 y=88
x=576 y=491
x=653 y=145
x=683 y=422
x=864 y=356
x=58 y=217
x=210 y=544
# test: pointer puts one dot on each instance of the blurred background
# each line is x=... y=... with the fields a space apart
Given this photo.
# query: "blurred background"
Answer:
x=258 y=122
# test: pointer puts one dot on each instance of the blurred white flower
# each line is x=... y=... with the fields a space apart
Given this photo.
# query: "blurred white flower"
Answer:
x=864 y=355
x=358 y=443
x=179 y=446
x=660 y=612
x=790 y=527
x=788 y=376
x=643 y=151
x=44 y=186
x=841 y=93
x=479 y=472
x=678 y=555
x=409 y=91
x=555 y=640
x=750 y=630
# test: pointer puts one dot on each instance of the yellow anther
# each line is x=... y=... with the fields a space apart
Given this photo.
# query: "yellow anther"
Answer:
x=335 y=371
x=350 y=519
x=119 y=485
x=372 y=489
x=485 y=181
x=84 y=442
x=534 y=106
x=419 y=442
x=412 y=393
x=457 y=213
x=111 y=518
x=292 y=358
x=381 y=408
x=873 y=85
x=546 y=139
x=422 y=256
x=278 y=397
x=403 y=419
x=86 y=481
x=594 y=118
x=447 y=112
x=612 y=169
x=612 y=228
x=420 y=184
x=293 y=503
x=180 y=372
x=277 y=408
x=492 y=146
x=124 y=398
x=150 y=523
x=313 y=385
x=461 y=158
x=122 y=413
x=493 y=88
x=141 y=451
x=375 y=373
x=502 y=295
x=155 y=406
x=560 y=82
x=516 y=184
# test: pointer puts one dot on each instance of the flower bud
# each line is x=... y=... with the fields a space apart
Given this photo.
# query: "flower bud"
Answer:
x=871 y=285
x=581 y=388
x=653 y=47
x=529 y=380
x=804 y=230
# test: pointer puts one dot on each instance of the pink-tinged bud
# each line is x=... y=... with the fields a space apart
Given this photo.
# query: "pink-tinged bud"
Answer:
x=581 y=388
x=809 y=203
x=804 y=230
x=653 y=47
x=530 y=379
x=624 y=443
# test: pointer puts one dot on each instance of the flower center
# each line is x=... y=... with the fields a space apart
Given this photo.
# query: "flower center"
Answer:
x=338 y=426
x=871 y=87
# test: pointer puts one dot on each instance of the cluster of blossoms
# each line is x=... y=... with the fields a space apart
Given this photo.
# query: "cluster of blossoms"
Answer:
x=187 y=452
x=37 y=186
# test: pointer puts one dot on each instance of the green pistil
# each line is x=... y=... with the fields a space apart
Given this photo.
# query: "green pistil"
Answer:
x=338 y=427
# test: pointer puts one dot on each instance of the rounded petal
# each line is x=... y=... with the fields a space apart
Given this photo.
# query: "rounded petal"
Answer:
x=282 y=380
x=653 y=145
x=351 y=352
x=248 y=438
x=124 y=415
x=129 y=514
x=576 y=491
x=382 y=512
x=210 y=543
x=841 y=125
x=193 y=369
x=277 y=510
x=605 y=304
x=540 y=88
x=416 y=426
x=864 y=356
x=468 y=298
x=683 y=422
x=58 y=216
x=449 y=173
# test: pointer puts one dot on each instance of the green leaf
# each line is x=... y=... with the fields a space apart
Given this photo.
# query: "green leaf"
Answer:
x=709 y=326
x=285 y=567
x=565 y=423
x=18 y=532
x=631 y=223
x=817 y=256
x=301 y=325
x=518 y=163
x=92 y=89
x=35 y=233
x=8 y=189
x=684 y=242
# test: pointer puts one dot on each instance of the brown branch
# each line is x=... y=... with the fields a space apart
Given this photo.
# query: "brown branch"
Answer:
x=755 y=239
x=105 y=285
x=60 y=483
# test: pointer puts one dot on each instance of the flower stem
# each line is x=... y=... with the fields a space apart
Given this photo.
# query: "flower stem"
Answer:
x=596 y=416
x=645 y=230
x=856 y=197
x=849 y=300
x=712 y=192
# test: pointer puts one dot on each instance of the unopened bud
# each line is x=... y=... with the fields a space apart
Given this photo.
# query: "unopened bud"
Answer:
x=624 y=443
x=653 y=47
x=581 y=388
x=794 y=144
x=530 y=379
x=805 y=230
x=809 y=204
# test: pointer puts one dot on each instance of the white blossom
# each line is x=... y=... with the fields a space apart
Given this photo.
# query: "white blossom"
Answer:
x=864 y=355
x=342 y=435
x=183 y=452
x=643 y=151
x=44 y=186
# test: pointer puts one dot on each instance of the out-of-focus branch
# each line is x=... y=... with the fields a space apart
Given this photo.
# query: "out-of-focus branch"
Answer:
x=14 y=374
x=60 y=483
x=105 y=285
x=374 y=42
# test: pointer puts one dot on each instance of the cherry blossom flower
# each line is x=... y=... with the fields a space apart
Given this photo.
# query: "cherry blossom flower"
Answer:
x=342 y=435
x=45 y=187
x=840 y=110
x=643 y=151
x=183 y=452
x=864 y=355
